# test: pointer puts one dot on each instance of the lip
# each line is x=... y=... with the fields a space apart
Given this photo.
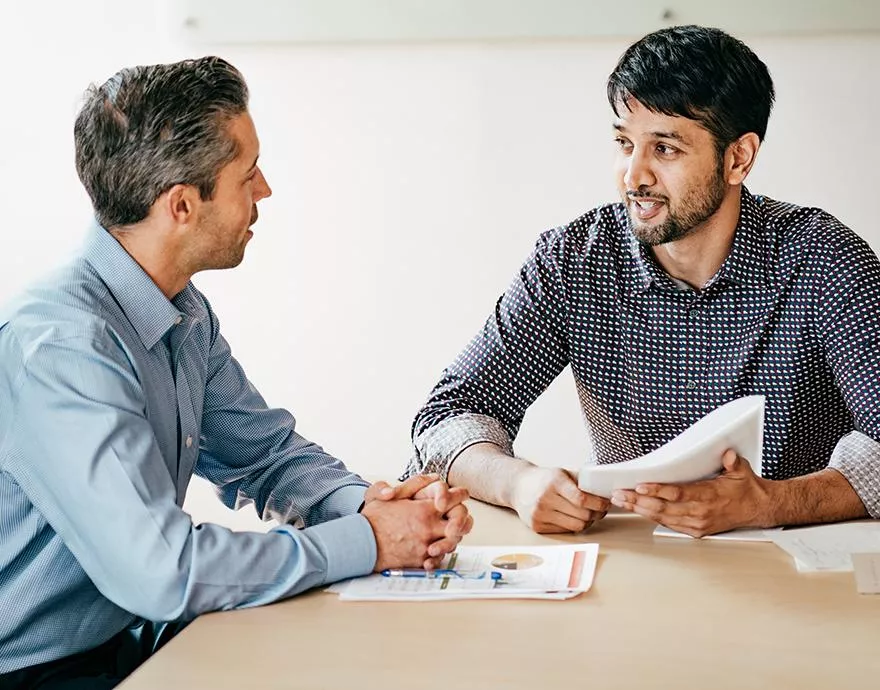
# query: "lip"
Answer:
x=646 y=208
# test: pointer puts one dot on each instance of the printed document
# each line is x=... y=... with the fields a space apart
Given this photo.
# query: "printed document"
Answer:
x=526 y=572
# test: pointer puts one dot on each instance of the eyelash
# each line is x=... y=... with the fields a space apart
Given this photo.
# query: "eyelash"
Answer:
x=662 y=149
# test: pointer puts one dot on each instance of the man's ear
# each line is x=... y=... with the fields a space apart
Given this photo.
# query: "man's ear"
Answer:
x=182 y=204
x=740 y=157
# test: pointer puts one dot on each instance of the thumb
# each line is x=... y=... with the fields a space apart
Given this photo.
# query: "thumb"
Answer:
x=379 y=491
x=731 y=462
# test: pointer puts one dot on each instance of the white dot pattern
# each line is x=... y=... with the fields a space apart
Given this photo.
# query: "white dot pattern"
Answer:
x=792 y=314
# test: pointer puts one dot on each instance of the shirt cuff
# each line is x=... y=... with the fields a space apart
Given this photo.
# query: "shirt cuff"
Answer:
x=439 y=445
x=343 y=501
x=349 y=546
x=857 y=457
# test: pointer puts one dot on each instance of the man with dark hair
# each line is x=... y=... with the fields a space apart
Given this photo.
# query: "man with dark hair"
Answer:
x=689 y=293
x=116 y=386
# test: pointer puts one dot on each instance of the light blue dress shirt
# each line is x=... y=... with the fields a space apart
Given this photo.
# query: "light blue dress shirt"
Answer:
x=111 y=396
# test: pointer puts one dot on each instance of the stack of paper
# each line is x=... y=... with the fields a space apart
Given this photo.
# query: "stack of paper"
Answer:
x=692 y=455
x=526 y=572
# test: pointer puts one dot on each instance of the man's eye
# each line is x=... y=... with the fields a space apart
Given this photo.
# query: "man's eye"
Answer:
x=666 y=150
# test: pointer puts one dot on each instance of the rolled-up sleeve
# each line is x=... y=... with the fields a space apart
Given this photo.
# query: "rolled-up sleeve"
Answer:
x=849 y=323
x=857 y=457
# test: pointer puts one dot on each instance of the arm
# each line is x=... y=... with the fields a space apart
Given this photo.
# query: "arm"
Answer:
x=484 y=394
x=82 y=450
x=465 y=430
x=253 y=454
x=847 y=317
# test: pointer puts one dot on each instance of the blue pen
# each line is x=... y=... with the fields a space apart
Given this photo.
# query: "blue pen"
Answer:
x=440 y=572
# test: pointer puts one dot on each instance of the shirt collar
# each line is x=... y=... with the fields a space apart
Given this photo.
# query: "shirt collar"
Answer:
x=747 y=264
x=148 y=310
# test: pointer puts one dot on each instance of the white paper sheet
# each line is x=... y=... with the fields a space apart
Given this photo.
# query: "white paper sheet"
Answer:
x=867 y=568
x=692 y=455
x=732 y=535
x=829 y=547
x=528 y=572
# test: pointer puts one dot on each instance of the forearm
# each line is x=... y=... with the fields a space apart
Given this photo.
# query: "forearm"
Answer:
x=488 y=473
x=824 y=496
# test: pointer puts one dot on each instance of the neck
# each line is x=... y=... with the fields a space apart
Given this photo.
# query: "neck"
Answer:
x=697 y=257
x=157 y=253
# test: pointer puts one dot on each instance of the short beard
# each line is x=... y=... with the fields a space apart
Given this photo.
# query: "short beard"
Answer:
x=698 y=205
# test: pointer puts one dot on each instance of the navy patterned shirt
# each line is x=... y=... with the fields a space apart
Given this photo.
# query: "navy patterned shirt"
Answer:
x=792 y=314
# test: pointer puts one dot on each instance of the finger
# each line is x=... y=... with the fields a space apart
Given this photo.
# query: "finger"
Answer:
x=569 y=490
x=380 y=491
x=443 y=546
x=445 y=497
x=556 y=501
x=457 y=520
x=687 y=524
x=731 y=462
x=567 y=522
x=548 y=528
x=410 y=487
x=432 y=563
x=667 y=492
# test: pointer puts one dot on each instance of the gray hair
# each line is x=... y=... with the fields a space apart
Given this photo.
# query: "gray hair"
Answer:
x=149 y=128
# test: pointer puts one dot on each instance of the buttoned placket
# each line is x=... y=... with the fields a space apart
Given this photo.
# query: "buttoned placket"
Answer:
x=186 y=417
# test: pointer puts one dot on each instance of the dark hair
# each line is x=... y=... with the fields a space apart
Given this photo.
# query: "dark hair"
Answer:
x=700 y=73
x=148 y=128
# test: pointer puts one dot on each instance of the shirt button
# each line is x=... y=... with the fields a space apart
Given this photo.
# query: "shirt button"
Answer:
x=178 y=321
x=189 y=441
x=691 y=385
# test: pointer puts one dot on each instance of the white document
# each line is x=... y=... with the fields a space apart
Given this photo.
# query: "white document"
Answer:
x=829 y=547
x=692 y=455
x=732 y=535
x=867 y=567
x=527 y=572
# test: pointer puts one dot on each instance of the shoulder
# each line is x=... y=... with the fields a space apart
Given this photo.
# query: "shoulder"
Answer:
x=69 y=306
x=810 y=236
x=601 y=230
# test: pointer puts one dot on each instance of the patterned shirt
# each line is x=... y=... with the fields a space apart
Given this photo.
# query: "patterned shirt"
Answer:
x=792 y=314
x=111 y=396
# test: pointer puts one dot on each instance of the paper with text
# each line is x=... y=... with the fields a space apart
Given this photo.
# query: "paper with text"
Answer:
x=527 y=572
x=829 y=547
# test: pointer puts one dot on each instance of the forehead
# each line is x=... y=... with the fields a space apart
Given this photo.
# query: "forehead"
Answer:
x=242 y=131
x=637 y=120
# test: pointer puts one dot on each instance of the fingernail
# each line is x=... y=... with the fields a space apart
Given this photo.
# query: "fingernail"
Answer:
x=617 y=496
x=641 y=489
x=387 y=491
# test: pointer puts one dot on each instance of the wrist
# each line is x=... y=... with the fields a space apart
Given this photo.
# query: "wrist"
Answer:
x=770 y=504
x=516 y=480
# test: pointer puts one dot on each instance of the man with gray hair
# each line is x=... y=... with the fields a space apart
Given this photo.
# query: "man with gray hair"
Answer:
x=116 y=386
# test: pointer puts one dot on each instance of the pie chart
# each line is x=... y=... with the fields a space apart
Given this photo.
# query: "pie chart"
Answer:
x=517 y=561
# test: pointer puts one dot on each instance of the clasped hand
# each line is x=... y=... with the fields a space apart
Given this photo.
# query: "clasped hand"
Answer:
x=417 y=522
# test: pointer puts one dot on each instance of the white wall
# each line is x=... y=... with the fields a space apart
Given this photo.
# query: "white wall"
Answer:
x=410 y=181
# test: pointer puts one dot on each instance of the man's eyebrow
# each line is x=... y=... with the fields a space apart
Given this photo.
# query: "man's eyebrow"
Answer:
x=254 y=164
x=675 y=136
x=671 y=135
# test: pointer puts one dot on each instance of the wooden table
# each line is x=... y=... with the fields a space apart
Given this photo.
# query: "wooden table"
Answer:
x=662 y=613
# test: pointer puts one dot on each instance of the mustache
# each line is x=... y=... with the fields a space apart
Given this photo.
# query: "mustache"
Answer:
x=643 y=193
